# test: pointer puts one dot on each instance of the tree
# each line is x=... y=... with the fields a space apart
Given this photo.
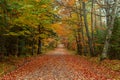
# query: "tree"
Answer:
x=114 y=49
x=111 y=9
x=27 y=24
x=87 y=30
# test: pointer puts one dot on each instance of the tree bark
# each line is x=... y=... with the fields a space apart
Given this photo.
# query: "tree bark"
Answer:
x=77 y=44
x=101 y=25
x=39 y=42
x=39 y=46
x=17 y=47
x=33 y=40
x=108 y=37
x=92 y=26
x=110 y=25
x=92 y=21
x=79 y=29
x=90 y=43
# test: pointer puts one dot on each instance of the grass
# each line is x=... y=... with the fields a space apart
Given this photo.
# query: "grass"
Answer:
x=72 y=52
x=8 y=64
x=110 y=64
x=6 y=67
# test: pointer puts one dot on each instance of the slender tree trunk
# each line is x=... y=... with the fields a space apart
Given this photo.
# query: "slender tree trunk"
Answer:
x=111 y=14
x=33 y=40
x=108 y=37
x=87 y=30
x=2 y=46
x=77 y=43
x=92 y=21
x=92 y=26
x=101 y=18
x=84 y=47
x=79 y=29
x=83 y=41
x=5 y=13
x=17 y=47
x=39 y=42
x=39 y=46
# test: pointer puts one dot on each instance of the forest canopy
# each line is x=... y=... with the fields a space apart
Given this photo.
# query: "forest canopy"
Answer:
x=90 y=27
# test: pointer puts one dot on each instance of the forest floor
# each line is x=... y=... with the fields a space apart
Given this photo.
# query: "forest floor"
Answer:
x=60 y=64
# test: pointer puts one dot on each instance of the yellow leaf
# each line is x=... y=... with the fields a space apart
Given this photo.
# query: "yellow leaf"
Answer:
x=85 y=0
x=37 y=0
x=44 y=6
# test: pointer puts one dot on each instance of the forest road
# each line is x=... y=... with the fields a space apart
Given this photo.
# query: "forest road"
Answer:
x=57 y=65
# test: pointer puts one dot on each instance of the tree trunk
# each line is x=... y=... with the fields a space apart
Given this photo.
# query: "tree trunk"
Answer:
x=17 y=47
x=79 y=29
x=111 y=14
x=108 y=37
x=90 y=43
x=84 y=47
x=79 y=49
x=77 y=43
x=80 y=42
x=2 y=46
x=39 y=46
x=39 y=42
x=5 y=13
x=92 y=21
x=33 y=40
x=101 y=25
x=92 y=26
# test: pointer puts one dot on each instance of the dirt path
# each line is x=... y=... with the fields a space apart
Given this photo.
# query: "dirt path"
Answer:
x=59 y=65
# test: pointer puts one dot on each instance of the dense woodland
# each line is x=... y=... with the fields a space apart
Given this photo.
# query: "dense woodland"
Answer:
x=30 y=27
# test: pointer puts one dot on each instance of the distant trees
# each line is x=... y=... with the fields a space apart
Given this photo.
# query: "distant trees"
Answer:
x=94 y=20
x=80 y=20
